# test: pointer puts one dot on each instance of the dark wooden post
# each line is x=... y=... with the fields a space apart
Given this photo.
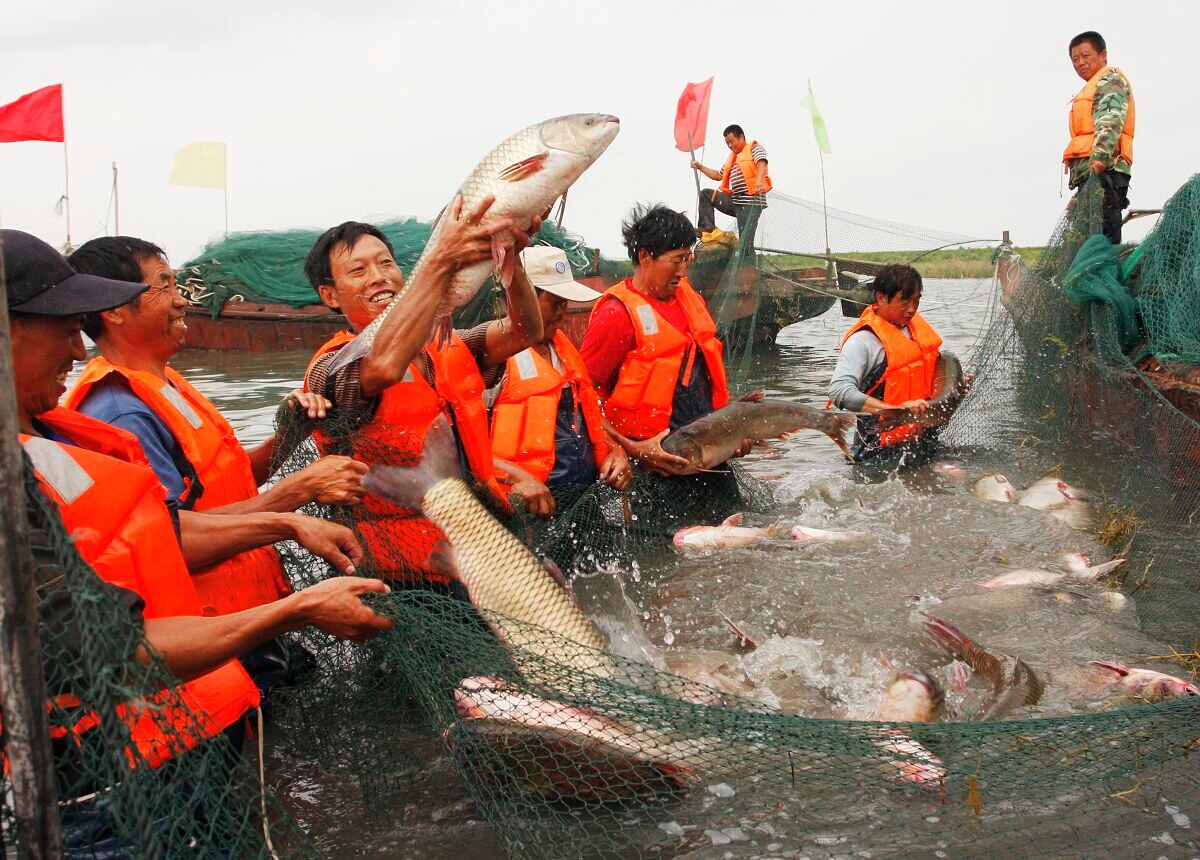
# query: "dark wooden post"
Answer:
x=22 y=687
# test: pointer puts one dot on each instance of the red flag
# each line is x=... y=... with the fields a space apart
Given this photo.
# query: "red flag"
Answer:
x=691 y=115
x=34 y=116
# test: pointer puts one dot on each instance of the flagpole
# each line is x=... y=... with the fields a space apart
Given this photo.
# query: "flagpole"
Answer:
x=67 y=191
x=116 y=201
x=824 y=208
x=695 y=175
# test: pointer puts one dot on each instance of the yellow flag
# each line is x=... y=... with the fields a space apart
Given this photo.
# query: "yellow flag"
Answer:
x=201 y=165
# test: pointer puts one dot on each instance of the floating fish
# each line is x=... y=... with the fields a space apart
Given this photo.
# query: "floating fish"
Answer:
x=912 y=697
x=1014 y=684
x=714 y=438
x=995 y=488
x=1049 y=578
x=729 y=534
x=1046 y=494
x=805 y=533
x=1146 y=683
x=526 y=173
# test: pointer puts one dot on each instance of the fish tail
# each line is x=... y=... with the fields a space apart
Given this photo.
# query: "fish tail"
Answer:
x=504 y=260
x=443 y=327
x=949 y=636
x=406 y=486
x=1096 y=571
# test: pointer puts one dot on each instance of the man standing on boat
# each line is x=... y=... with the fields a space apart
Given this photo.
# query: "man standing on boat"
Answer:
x=384 y=402
x=546 y=415
x=743 y=190
x=651 y=346
x=888 y=360
x=1101 y=124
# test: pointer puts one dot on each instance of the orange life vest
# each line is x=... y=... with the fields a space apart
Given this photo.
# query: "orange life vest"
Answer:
x=114 y=511
x=250 y=578
x=1082 y=123
x=910 y=366
x=641 y=401
x=401 y=540
x=745 y=162
x=526 y=412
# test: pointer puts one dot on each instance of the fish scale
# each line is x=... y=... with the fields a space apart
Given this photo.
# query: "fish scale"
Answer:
x=501 y=575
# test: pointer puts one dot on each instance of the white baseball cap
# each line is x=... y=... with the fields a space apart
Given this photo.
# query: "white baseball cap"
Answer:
x=548 y=269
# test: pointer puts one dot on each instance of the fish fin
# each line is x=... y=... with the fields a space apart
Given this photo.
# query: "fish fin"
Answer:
x=406 y=486
x=557 y=575
x=443 y=560
x=356 y=348
x=504 y=260
x=752 y=397
x=744 y=639
x=774 y=529
x=443 y=327
x=733 y=520
x=1091 y=574
x=1116 y=668
x=523 y=169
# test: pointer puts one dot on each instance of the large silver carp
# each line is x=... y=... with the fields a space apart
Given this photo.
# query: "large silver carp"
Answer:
x=499 y=572
x=713 y=438
x=526 y=173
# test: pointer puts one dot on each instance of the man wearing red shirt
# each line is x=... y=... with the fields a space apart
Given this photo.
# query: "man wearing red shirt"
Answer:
x=651 y=346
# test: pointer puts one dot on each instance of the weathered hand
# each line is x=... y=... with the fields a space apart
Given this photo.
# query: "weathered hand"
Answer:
x=744 y=448
x=335 y=606
x=696 y=165
x=916 y=407
x=334 y=480
x=522 y=238
x=332 y=542
x=1098 y=167
x=537 y=496
x=615 y=470
x=309 y=402
x=463 y=239
x=650 y=454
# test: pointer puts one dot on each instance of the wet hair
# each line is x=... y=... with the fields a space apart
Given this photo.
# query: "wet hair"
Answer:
x=657 y=229
x=1096 y=40
x=733 y=129
x=316 y=266
x=895 y=278
x=116 y=257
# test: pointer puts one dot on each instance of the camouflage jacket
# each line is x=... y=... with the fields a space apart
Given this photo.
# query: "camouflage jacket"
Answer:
x=1109 y=109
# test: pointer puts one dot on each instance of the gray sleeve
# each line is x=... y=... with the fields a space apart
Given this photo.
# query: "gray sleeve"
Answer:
x=862 y=353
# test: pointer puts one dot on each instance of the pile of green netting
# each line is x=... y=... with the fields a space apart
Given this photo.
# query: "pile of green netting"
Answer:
x=205 y=801
x=268 y=266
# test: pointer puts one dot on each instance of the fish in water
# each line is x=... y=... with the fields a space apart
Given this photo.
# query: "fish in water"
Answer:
x=949 y=470
x=714 y=438
x=948 y=389
x=526 y=173
x=995 y=488
x=499 y=572
x=805 y=533
x=729 y=534
x=1014 y=685
x=1046 y=494
x=557 y=750
x=912 y=697
x=1090 y=573
x=1146 y=683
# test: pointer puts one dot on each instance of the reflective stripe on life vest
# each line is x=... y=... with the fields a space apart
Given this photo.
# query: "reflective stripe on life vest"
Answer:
x=120 y=525
x=641 y=401
x=910 y=365
x=1082 y=122
x=209 y=444
x=525 y=415
x=745 y=162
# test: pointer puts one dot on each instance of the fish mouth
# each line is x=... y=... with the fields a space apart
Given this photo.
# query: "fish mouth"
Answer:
x=931 y=686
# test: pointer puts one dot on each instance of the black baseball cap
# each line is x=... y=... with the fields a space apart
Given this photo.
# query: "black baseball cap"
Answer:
x=40 y=281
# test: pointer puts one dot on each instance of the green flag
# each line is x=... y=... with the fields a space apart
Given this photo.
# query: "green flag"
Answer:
x=809 y=103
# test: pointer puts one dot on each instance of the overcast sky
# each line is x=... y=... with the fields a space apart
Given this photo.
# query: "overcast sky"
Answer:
x=947 y=115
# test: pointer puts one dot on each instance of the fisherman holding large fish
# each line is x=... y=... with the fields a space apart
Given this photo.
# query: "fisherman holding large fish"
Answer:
x=892 y=368
x=401 y=366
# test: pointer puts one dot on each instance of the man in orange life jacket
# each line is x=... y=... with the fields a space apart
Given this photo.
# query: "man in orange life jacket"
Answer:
x=189 y=444
x=403 y=383
x=887 y=360
x=112 y=505
x=744 y=185
x=546 y=416
x=1101 y=124
x=651 y=347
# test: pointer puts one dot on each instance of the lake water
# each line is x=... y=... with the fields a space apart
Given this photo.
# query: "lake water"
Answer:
x=833 y=620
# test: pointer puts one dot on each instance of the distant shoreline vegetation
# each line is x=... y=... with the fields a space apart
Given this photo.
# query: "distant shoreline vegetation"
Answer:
x=947 y=263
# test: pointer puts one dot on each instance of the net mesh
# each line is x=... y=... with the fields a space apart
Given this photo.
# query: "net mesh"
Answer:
x=636 y=761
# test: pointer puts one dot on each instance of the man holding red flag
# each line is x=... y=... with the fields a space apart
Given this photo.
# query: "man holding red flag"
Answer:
x=744 y=186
